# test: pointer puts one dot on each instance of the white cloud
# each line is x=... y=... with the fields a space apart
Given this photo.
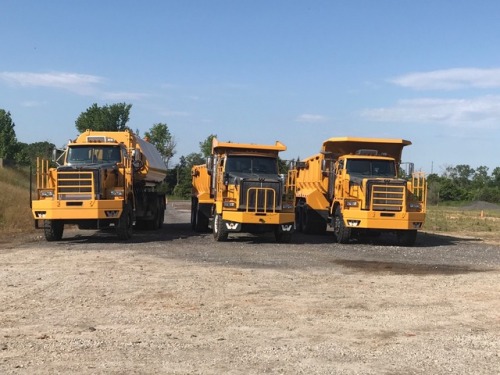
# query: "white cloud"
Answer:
x=310 y=118
x=32 y=103
x=125 y=96
x=78 y=83
x=481 y=112
x=450 y=79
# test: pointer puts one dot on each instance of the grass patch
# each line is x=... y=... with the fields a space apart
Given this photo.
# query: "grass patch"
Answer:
x=15 y=215
x=475 y=223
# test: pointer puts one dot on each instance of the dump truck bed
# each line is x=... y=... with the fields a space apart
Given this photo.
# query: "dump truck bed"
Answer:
x=350 y=145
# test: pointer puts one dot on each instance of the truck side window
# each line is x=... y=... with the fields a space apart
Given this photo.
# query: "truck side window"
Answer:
x=113 y=155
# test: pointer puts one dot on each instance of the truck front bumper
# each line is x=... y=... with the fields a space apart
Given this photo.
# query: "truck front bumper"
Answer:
x=383 y=220
x=76 y=210
x=259 y=218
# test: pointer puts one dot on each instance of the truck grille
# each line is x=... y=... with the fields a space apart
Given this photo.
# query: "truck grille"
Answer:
x=75 y=185
x=386 y=196
x=260 y=196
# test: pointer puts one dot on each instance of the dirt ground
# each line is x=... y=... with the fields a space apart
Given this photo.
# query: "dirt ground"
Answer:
x=176 y=302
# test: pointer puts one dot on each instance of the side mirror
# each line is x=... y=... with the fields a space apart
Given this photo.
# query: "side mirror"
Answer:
x=57 y=154
x=324 y=165
x=210 y=165
x=411 y=169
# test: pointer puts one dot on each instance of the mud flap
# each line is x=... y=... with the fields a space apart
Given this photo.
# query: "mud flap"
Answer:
x=231 y=226
x=286 y=228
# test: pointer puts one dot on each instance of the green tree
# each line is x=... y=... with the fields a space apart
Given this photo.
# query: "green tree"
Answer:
x=481 y=178
x=434 y=183
x=451 y=191
x=183 y=187
x=206 y=145
x=283 y=166
x=8 y=141
x=464 y=175
x=488 y=194
x=160 y=137
x=28 y=153
x=107 y=118
x=495 y=177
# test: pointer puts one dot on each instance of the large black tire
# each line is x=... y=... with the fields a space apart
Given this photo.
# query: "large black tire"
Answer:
x=407 y=237
x=161 y=217
x=141 y=224
x=53 y=230
x=154 y=223
x=307 y=223
x=199 y=219
x=342 y=233
x=219 y=230
x=320 y=227
x=298 y=218
x=158 y=216
x=124 y=229
x=194 y=208
x=311 y=222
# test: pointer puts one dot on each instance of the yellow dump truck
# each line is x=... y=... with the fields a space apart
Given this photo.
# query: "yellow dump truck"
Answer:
x=239 y=189
x=355 y=186
x=102 y=180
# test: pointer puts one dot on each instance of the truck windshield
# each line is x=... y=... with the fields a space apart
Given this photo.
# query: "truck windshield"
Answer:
x=369 y=167
x=93 y=154
x=251 y=164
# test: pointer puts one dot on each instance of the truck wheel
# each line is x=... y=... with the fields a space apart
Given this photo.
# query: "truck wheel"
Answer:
x=53 y=230
x=307 y=225
x=407 y=237
x=154 y=223
x=320 y=227
x=124 y=225
x=161 y=217
x=201 y=220
x=298 y=218
x=311 y=222
x=220 y=233
x=194 y=209
x=342 y=233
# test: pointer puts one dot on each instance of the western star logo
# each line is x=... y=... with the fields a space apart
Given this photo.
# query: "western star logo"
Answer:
x=232 y=226
x=286 y=228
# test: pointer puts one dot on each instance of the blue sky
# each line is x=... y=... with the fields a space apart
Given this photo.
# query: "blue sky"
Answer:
x=259 y=71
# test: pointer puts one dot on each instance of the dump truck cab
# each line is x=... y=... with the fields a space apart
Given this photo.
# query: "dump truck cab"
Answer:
x=240 y=190
x=102 y=179
x=356 y=186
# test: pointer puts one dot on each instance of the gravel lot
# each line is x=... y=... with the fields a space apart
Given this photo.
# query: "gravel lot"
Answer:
x=176 y=302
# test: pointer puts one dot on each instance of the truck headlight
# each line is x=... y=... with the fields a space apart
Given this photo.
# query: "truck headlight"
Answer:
x=46 y=193
x=287 y=205
x=229 y=204
x=351 y=203
x=415 y=206
x=117 y=193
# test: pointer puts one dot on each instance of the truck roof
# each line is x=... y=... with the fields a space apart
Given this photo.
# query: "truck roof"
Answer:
x=223 y=147
x=339 y=146
x=154 y=169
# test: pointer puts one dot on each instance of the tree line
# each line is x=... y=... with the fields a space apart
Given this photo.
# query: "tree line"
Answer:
x=456 y=183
